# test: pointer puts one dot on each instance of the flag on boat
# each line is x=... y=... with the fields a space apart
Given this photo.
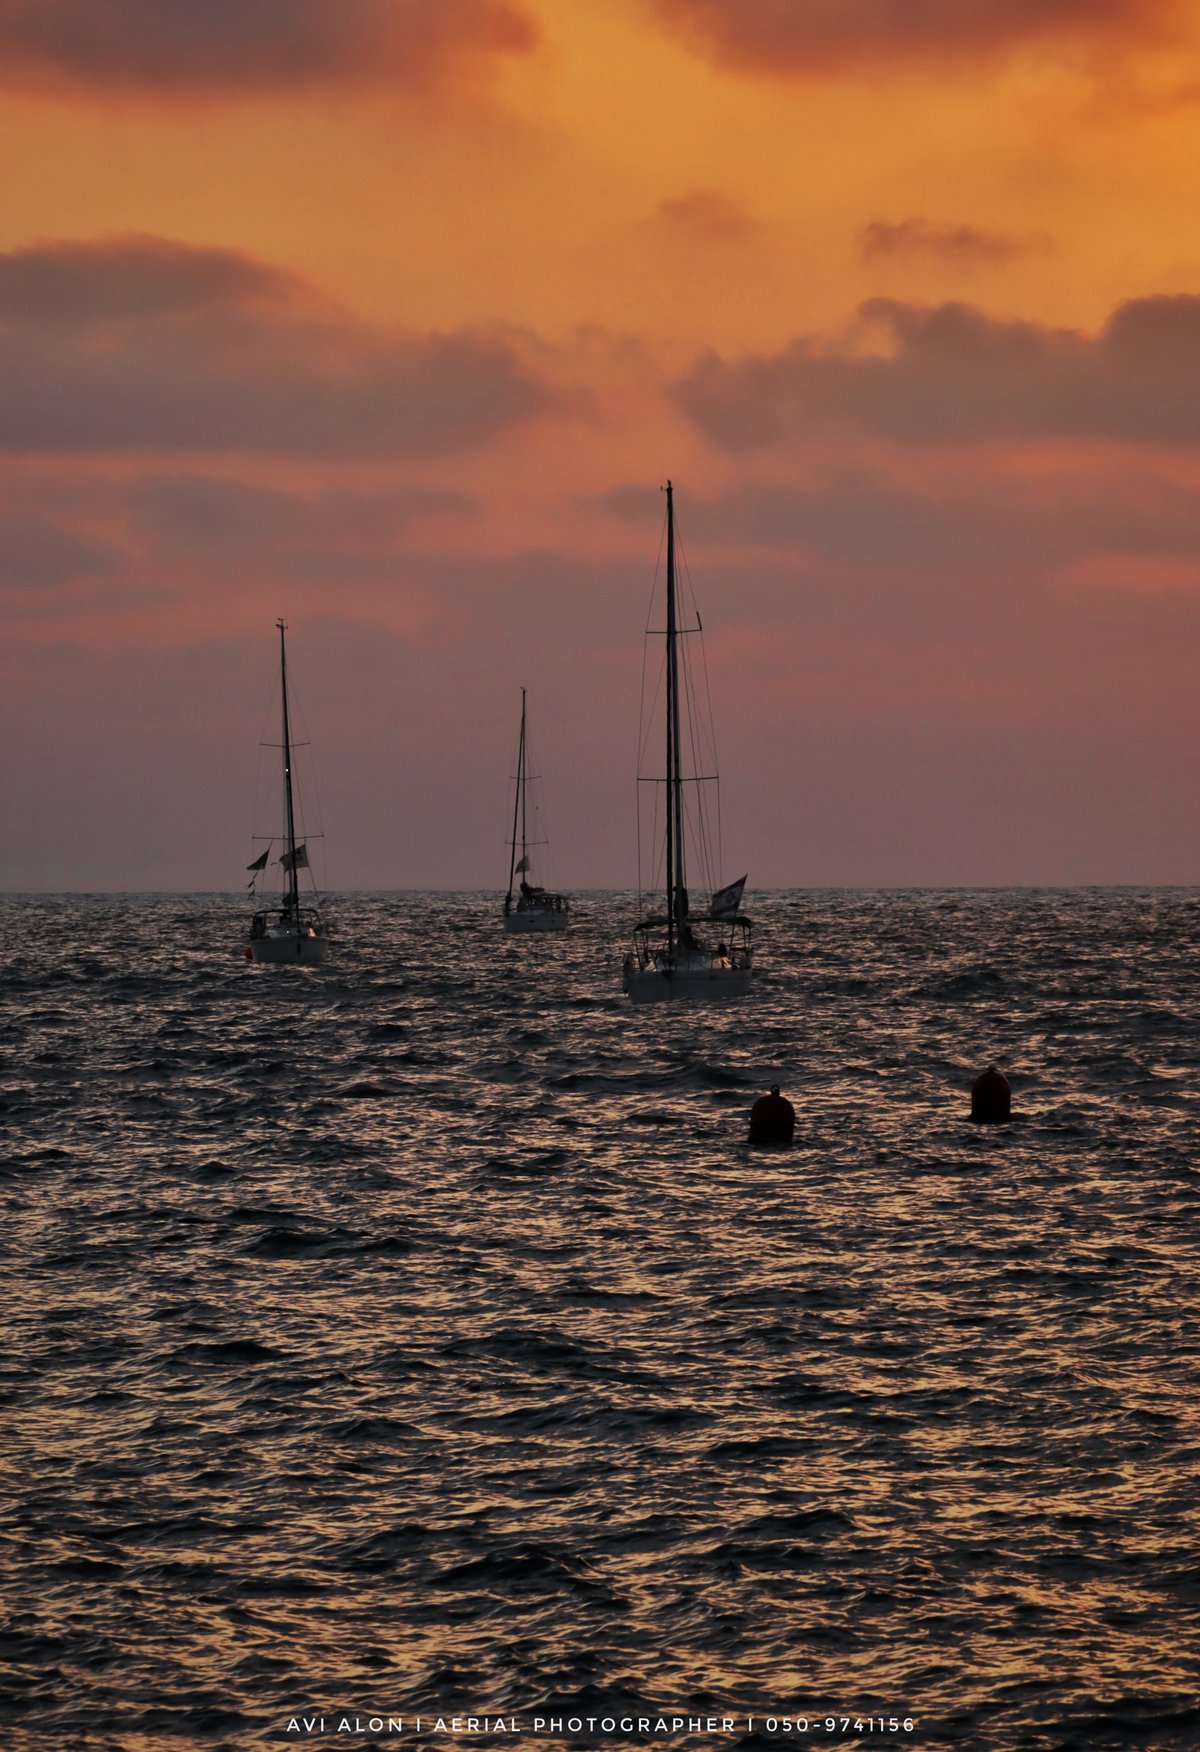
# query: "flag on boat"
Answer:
x=297 y=860
x=522 y=869
x=726 y=901
x=260 y=863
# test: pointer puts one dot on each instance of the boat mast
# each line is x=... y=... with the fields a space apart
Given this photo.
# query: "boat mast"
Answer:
x=675 y=881
x=518 y=809
x=292 y=903
x=522 y=779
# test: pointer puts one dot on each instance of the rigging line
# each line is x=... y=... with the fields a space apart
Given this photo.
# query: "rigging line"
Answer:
x=645 y=718
x=687 y=572
x=646 y=894
x=709 y=723
x=638 y=816
x=716 y=759
x=648 y=715
x=537 y=802
x=645 y=631
x=516 y=781
x=307 y=788
x=266 y=719
x=657 y=569
x=697 y=820
x=657 y=874
x=690 y=697
x=643 y=725
x=642 y=730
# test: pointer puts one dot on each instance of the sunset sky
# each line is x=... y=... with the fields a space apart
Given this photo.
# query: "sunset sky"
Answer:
x=392 y=316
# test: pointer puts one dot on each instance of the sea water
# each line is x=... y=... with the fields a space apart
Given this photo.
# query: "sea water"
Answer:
x=419 y=1336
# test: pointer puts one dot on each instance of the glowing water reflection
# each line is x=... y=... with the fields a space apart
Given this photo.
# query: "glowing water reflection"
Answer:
x=390 y=1336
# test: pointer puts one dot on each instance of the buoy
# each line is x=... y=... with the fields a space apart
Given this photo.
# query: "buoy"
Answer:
x=249 y=953
x=772 y=1119
x=991 y=1098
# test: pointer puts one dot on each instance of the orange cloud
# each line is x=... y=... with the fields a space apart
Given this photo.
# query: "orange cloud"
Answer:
x=225 y=46
x=706 y=215
x=962 y=245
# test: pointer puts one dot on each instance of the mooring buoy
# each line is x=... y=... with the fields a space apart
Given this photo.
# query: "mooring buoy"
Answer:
x=991 y=1098
x=772 y=1119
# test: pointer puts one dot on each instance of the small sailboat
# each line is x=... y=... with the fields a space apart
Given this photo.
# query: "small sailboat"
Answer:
x=533 y=908
x=677 y=953
x=287 y=931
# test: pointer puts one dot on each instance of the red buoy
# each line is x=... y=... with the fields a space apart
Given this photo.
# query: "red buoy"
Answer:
x=249 y=954
x=772 y=1119
x=991 y=1098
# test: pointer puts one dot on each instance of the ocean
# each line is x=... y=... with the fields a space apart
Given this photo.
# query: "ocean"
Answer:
x=419 y=1337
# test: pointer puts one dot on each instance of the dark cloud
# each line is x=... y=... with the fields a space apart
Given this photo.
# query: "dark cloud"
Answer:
x=820 y=36
x=39 y=554
x=951 y=374
x=136 y=345
x=958 y=245
x=707 y=215
x=336 y=532
x=214 y=46
x=983 y=525
x=121 y=278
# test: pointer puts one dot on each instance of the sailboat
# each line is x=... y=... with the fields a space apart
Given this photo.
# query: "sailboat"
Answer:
x=288 y=931
x=677 y=953
x=534 y=909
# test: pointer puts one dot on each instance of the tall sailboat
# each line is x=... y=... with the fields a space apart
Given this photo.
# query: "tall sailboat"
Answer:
x=287 y=931
x=677 y=953
x=533 y=908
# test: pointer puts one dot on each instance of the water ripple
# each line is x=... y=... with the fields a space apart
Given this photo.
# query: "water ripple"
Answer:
x=421 y=1332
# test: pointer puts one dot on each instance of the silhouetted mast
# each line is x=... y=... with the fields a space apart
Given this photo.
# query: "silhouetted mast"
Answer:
x=518 y=809
x=675 y=875
x=292 y=903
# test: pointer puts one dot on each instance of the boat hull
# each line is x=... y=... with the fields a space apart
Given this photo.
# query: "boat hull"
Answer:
x=536 y=921
x=649 y=985
x=293 y=948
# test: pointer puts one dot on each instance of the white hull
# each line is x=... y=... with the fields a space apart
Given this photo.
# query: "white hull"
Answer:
x=647 y=985
x=536 y=921
x=295 y=948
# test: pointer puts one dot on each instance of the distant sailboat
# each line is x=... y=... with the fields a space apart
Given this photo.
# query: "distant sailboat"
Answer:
x=677 y=953
x=534 y=909
x=287 y=932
